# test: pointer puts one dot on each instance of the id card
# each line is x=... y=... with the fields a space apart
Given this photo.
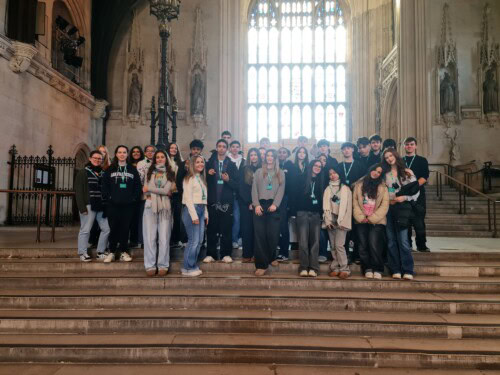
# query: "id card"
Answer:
x=269 y=187
x=392 y=190
x=347 y=182
x=315 y=201
x=220 y=182
x=123 y=186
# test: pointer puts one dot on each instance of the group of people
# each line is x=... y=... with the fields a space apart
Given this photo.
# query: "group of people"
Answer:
x=273 y=201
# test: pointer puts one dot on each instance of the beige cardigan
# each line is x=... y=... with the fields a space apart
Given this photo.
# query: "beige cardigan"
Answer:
x=381 y=205
x=344 y=219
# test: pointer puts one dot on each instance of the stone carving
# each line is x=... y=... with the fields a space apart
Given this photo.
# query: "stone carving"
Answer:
x=134 y=97
x=490 y=93
x=99 y=109
x=489 y=61
x=447 y=93
x=454 y=148
x=387 y=76
x=21 y=59
x=197 y=76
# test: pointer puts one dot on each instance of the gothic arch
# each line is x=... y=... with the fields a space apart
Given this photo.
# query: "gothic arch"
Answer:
x=81 y=155
x=390 y=112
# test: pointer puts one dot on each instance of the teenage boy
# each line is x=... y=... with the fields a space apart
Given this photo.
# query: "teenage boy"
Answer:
x=364 y=149
x=376 y=149
x=420 y=167
x=222 y=183
x=90 y=207
x=226 y=135
x=236 y=157
x=265 y=143
x=286 y=166
x=331 y=162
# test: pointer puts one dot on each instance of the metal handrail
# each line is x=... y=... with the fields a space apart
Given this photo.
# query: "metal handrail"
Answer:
x=462 y=199
x=40 y=193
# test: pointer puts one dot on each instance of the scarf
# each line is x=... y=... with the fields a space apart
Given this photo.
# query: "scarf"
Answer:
x=160 y=204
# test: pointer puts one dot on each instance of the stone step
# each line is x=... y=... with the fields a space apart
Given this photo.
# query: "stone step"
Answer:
x=279 y=300
x=74 y=267
x=459 y=233
x=115 y=281
x=451 y=326
x=431 y=226
x=456 y=219
x=221 y=369
x=288 y=349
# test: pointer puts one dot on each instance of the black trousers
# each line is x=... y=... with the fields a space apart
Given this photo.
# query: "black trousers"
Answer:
x=136 y=224
x=267 y=235
x=220 y=224
x=120 y=217
x=246 y=229
x=371 y=243
x=178 y=231
x=417 y=222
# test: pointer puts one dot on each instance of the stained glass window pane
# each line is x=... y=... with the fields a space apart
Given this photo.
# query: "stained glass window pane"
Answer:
x=252 y=124
x=330 y=44
x=262 y=85
x=296 y=86
x=273 y=45
x=341 y=84
x=319 y=84
x=330 y=84
x=319 y=121
x=341 y=124
x=307 y=42
x=262 y=122
x=307 y=85
x=263 y=45
x=330 y=123
x=319 y=45
x=285 y=85
x=285 y=122
x=273 y=124
x=252 y=46
x=286 y=47
x=296 y=122
x=341 y=43
x=297 y=45
x=273 y=85
x=252 y=85
x=307 y=121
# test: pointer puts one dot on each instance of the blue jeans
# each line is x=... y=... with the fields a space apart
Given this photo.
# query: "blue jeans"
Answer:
x=195 y=236
x=323 y=243
x=284 y=229
x=86 y=222
x=400 y=259
x=236 y=221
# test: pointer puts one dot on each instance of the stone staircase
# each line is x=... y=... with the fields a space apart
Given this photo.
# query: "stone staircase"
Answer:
x=443 y=219
x=56 y=310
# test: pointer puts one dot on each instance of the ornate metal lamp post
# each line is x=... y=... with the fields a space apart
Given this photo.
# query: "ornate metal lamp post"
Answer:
x=164 y=11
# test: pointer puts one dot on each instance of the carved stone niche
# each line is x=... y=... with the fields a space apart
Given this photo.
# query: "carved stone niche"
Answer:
x=21 y=59
x=488 y=74
x=447 y=90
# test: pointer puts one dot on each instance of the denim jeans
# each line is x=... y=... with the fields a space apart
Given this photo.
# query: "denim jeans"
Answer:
x=156 y=227
x=86 y=222
x=195 y=234
x=323 y=243
x=236 y=221
x=400 y=259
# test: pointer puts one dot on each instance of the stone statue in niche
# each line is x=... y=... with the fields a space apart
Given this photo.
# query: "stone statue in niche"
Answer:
x=490 y=93
x=134 y=97
x=197 y=96
x=447 y=95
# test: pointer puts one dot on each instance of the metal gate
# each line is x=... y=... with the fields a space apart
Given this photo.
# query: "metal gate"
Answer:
x=39 y=173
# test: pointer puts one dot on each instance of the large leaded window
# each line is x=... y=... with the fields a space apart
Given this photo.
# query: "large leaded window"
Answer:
x=297 y=70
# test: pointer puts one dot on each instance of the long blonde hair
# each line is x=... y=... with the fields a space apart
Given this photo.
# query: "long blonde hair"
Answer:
x=106 y=160
x=191 y=173
x=276 y=169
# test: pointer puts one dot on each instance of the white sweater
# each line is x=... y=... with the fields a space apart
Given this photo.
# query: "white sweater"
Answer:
x=193 y=194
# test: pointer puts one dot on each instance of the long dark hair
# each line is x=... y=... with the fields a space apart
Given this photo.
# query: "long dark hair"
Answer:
x=370 y=185
x=114 y=163
x=249 y=169
x=177 y=158
x=170 y=172
x=131 y=160
x=400 y=164
x=306 y=160
x=309 y=176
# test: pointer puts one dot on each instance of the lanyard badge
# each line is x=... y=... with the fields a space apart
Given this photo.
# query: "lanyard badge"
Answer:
x=346 y=173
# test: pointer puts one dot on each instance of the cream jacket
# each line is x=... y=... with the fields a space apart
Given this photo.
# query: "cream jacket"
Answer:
x=193 y=194
x=344 y=219
x=381 y=205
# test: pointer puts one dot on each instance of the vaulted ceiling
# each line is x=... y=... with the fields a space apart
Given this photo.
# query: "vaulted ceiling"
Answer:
x=107 y=16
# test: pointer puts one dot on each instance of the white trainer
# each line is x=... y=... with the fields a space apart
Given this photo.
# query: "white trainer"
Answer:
x=312 y=273
x=408 y=276
x=303 y=273
x=369 y=275
x=125 y=257
x=227 y=259
x=396 y=276
x=109 y=258
x=208 y=259
x=377 y=275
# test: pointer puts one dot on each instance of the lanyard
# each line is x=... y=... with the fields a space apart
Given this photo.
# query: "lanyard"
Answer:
x=123 y=173
x=270 y=179
x=203 y=196
x=412 y=160
x=221 y=168
x=346 y=173
x=313 y=184
x=159 y=180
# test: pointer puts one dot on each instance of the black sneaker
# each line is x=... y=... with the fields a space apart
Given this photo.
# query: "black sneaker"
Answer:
x=281 y=258
x=426 y=250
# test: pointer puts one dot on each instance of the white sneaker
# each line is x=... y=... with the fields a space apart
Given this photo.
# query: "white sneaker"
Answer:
x=303 y=273
x=235 y=245
x=369 y=275
x=377 y=275
x=109 y=258
x=85 y=257
x=408 y=276
x=208 y=259
x=192 y=273
x=125 y=258
x=396 y=276
x=227 y=259
x=312 y=273
x=101 y=256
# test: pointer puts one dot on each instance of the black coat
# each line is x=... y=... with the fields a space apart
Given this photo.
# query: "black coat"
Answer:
x=228 y=188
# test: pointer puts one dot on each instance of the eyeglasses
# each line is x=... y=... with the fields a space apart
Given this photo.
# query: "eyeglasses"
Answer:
x=97 y=159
